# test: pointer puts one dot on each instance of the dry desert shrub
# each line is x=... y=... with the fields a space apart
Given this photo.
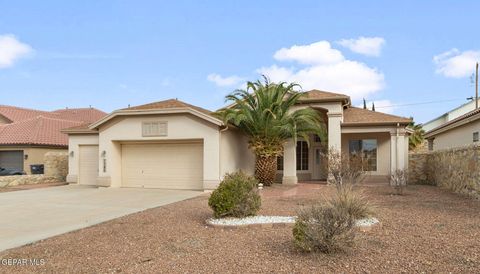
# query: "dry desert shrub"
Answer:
x=344 y=169
x=352 y=201
x=398 y=181
x=324 y=228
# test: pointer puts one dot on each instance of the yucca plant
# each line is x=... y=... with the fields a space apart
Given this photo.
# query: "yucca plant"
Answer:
x=263 y=111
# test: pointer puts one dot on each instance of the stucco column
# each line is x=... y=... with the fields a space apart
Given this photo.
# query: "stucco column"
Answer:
x=401 y=151
x=289 y=163
x=334 y=130
x=393 y=152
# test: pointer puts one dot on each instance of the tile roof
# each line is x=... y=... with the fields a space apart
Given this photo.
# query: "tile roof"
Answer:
x=15 y=114
x=37 y=127
x=39 y=130
x=354 y=115
x=168 y=104
x=83 y=128
x=87 y=115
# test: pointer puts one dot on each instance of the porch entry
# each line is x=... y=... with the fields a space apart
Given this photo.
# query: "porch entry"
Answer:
x=311 y=161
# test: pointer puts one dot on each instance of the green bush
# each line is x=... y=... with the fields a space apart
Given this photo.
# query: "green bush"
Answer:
x=351 y=201
x=236 y=196
x=324 y=228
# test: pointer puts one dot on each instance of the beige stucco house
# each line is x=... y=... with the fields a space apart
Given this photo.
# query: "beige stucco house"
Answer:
x=172 y=144
x=461 y=131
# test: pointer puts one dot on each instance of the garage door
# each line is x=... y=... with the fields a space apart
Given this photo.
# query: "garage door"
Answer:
x=172 y=166
x=88 y=169
x=12 y=159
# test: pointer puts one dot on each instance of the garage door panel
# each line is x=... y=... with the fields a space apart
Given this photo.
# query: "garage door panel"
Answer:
x=88 y=169
x=175 y=166
x=12 y=159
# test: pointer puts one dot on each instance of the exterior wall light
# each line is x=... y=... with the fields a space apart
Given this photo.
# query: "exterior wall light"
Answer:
x=104 y=153
x=71 y=154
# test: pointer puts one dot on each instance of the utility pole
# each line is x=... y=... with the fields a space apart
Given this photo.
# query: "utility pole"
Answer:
x=476 y=86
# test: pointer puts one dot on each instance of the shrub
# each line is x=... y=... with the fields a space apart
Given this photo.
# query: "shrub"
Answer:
x=398 y=181
x=324 y=228
x=352 y=202
x=236 y=196
x=345 y=169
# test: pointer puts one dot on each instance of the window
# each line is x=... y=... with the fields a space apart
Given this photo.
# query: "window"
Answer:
x=154 y=129
x=280 y=163
x=475 y=136
x=367 y=150
x=430 y=144
x=302 y=155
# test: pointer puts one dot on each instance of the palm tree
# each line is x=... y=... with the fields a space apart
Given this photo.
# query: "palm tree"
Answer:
x=416 y=138
x=264 y=113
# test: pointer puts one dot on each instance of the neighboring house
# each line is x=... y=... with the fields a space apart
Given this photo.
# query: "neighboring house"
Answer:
x=172 y=144
x=449 y=116
x=27 y=134
x=461 y=131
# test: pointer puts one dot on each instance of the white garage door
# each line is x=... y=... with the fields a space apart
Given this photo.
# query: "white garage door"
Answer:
x=88 y=169
x=173 y=166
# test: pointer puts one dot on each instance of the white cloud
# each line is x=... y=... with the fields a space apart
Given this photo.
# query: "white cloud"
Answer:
x=385 y=106
x=456 y=64
x=337 y=75
x=370 y=46
x=11 y=50
x=224 y=81
x=316 y=53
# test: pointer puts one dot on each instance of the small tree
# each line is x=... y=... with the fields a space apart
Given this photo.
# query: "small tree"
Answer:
x=265 y=113
x=398 y=181
x=416 y=138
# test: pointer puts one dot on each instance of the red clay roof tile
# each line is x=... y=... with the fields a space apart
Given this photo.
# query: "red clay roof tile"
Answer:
x=36 y=127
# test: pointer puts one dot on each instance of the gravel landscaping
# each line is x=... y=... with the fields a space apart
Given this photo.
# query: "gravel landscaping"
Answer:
x=427 y=230
x=274 y=220
x=252 y=220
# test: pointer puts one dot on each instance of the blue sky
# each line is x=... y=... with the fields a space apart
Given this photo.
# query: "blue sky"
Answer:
x=109 y=54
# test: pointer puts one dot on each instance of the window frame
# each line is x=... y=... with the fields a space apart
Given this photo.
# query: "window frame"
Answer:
x=362 y=150
x=303 y=157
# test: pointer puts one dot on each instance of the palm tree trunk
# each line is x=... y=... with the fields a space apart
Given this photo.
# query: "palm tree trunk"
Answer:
x=266 y=169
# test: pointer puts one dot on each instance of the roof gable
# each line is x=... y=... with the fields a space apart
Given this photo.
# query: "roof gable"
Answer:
x=169 y=106
x=320 y=95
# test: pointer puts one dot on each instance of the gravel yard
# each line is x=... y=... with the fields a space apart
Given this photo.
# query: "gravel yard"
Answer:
x=427 y=230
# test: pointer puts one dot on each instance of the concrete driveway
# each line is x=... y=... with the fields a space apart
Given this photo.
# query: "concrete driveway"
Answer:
x=31 y=215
